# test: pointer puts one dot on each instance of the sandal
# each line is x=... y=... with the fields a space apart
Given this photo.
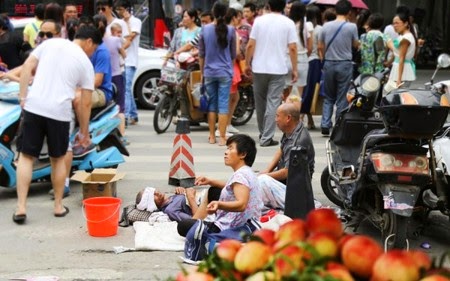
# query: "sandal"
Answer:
x=212 y=140
x=63 y=214
x=19 y=219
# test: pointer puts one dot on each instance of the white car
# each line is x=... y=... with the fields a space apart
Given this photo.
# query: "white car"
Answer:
x=147 y=75
x=19 y=23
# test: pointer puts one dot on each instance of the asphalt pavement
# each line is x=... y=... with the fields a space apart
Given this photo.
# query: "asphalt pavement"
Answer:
x=50 y=246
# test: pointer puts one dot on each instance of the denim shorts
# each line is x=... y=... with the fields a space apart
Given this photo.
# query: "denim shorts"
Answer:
x=218 y=89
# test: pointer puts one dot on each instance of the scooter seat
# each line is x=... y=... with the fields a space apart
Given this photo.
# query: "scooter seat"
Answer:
x=97 y=112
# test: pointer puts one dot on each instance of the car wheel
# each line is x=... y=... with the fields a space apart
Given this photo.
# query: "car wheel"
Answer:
x=144 y=89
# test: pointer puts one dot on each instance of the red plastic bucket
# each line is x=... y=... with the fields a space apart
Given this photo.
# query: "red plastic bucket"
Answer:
x=102 y=215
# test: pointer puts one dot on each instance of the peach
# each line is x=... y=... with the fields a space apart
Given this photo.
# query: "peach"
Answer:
x=339 y=274
x=227 y=249
x=262 y=276
x=422 y=259
x=324 y=220
x=252 y=257
x=395 y=265
x=435 y=277
x=359 y=254
x=266 y=235
x=292 y=231
x=324 y=243
x=287 y=260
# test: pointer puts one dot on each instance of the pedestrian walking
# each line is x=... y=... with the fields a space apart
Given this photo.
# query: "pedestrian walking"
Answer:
x=265 y=58
x=47 y=108
x=335 y=43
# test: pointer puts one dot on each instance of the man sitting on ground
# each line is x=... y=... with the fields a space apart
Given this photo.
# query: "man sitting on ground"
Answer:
x=272 y=180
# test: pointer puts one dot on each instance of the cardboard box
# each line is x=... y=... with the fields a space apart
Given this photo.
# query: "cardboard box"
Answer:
x=99 y=183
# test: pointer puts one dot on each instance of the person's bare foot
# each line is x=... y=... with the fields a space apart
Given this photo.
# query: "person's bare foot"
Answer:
x=222 y=141
x=212 y=140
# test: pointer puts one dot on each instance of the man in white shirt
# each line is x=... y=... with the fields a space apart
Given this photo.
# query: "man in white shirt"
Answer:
x=134 y=25
x=271 y=35
x=47 y=109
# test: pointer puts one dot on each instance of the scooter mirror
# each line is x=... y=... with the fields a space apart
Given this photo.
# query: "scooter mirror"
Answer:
x=443 y=60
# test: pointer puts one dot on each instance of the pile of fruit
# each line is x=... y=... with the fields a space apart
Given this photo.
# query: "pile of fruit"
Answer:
x=313 y=249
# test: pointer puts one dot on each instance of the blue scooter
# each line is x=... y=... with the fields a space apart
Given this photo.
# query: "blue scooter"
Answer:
x=102 y=129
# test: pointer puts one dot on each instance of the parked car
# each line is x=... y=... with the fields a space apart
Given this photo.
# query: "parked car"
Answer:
x=147 y=75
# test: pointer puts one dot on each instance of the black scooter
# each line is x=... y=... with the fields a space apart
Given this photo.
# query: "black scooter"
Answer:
x=377 y=155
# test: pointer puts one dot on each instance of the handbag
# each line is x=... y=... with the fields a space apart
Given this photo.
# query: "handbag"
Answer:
x=204 y=98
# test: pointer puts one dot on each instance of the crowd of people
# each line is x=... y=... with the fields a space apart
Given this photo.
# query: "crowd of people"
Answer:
x=286 y=50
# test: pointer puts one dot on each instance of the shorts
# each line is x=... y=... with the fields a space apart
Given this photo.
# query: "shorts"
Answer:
x=98 y=98
x=34 y=130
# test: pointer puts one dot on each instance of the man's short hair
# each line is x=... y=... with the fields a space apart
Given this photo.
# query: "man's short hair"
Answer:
x=251 y=6
x=343 y=7
x=85 y=32
x=57 y=25
x=123 y=3
x=207 y=14
x=39 y=11
x=276 y=5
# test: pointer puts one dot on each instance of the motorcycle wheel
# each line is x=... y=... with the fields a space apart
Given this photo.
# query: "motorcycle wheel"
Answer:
x=330 y=188
x=163 y=115
x=394 y=224
x=245 y=107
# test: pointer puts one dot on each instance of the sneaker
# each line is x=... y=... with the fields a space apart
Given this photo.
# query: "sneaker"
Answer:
x=227 y=134
x=80 y=151
x=194 y=248
x=65 y=194
x=232 y=130
x=325 y=131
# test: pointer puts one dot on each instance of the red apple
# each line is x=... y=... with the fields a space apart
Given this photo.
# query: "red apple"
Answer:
x=287 y=260
x=395 y=265
x=266 y=235
x=421 y=258
x=324 y=243
x=343 y=240
x=292 y=231
x=252 y=257
x=334 y=265
x=227 y=249
x=324 y=220
x=359 y=254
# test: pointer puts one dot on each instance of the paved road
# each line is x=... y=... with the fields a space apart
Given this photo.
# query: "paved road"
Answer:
x=61 y=246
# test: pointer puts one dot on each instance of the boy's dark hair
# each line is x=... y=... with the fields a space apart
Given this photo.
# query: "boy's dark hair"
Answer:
x=251 y=6
x=108 y=3
x=343 y=7
x=207 y=14
x=85 y=20
x=276 y=5
x=375 y=21
x=245 y=145
x=89 y=32
x=123 y=3
x=329 y=14
x=39 y=11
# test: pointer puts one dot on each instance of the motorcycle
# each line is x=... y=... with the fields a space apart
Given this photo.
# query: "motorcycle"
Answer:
x=437 y=198
x=102 y=129
x=176 y=92
x=378 y=165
